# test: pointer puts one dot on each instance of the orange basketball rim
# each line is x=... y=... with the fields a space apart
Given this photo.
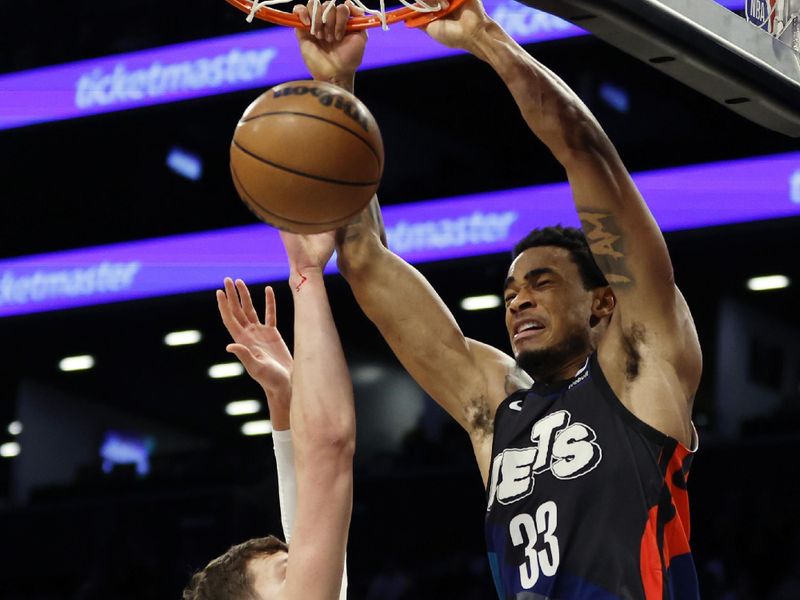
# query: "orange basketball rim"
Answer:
x=412 y=17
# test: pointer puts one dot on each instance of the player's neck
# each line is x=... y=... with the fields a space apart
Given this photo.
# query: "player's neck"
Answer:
x=562 y=372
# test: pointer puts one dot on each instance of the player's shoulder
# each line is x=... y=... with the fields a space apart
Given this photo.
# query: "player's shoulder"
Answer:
x=502 y=375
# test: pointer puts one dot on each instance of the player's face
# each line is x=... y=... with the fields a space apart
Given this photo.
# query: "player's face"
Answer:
x=548 y=311
x=269 y=575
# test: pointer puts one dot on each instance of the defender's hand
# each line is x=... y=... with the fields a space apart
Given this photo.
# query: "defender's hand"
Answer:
x=331 y=54
x=460 y=28
x=259 y=347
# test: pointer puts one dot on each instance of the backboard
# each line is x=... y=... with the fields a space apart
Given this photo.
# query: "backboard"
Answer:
x=704 y=45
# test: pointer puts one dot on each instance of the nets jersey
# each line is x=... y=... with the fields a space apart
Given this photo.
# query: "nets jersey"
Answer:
x=585 y=500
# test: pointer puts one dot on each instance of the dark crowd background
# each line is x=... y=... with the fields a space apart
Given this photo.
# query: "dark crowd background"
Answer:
x=88 y=534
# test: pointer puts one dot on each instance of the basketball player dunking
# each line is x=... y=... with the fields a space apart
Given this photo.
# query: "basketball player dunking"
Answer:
x=584 y=438
x=316 y=455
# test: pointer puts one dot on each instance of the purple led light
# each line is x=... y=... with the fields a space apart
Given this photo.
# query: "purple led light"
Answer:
x=252 y=60
x=683 y=198
x=256 y=59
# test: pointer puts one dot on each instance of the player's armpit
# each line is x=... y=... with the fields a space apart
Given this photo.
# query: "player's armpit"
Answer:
x=504 y=377
x=652 y=336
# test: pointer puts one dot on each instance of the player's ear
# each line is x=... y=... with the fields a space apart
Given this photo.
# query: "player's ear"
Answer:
x=603 y=302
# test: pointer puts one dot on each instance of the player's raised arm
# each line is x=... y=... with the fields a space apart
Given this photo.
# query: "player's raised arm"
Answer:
x=652 y=325
x=465 y=377
x=469 y=379
x=323 y=429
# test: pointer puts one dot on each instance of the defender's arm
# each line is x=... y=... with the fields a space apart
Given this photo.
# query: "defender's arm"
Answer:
x=323 y=434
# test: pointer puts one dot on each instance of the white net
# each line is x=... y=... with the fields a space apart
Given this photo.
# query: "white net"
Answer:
x=419 y=6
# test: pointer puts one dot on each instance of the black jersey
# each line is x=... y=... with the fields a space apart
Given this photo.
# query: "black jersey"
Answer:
x=586 y=501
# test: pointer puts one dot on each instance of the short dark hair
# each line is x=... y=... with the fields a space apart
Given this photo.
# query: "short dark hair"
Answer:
x=227 y=577
x=573 y=240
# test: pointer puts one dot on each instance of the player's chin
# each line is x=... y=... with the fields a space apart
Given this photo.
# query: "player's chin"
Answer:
x=536 y=354
x=530 y=359
x=531 y=351
x=530 y=344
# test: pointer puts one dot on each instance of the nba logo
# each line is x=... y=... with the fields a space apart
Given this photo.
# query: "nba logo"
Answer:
x=761 y=13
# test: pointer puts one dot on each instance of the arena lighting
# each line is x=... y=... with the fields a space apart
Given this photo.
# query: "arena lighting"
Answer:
x=76 y=363
x=15 y=428
x=262 y=427
x=681 y=198
x=183 y=338
x=222 y=370
x=256 y=59
x=367 y=374
x=615 y=96
x=9 y=450
x=481 y=302
x=767 y=282
x=125 y=448
x=243 y=407
x=185 y=164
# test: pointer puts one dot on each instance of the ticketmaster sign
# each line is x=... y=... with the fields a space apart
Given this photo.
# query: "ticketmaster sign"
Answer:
x=683 y=198
x=257 y=59
x=122 y=84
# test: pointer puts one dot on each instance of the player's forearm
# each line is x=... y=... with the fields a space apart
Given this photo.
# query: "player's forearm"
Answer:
x=361 y=242
x=413 y=320
x=322 y=396
x=624 y=238
x=278 y=392
x=278 y=401
x=555 y=114
x=369 y=267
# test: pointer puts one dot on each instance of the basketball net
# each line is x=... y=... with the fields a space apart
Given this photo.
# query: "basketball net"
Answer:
x=420 y=6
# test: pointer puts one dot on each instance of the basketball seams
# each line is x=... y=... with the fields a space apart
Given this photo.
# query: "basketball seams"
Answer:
x=302 y=173
x=251 y=201
x=321 y=177
x=317 y=117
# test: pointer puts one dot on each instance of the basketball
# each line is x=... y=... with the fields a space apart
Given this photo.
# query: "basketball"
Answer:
x=306 y=156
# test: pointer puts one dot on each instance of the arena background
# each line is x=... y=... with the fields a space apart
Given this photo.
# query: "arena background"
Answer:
x=71 y=529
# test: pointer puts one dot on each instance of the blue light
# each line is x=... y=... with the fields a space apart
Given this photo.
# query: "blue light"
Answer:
x=126 y=449
x=185 y=164
x=794 y=187
x=616 y=97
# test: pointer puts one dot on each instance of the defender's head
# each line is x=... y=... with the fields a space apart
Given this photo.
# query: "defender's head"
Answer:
x=254 y=570
x=558 y=302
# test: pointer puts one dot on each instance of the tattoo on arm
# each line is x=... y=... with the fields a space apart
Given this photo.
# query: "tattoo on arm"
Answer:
x=607 y=245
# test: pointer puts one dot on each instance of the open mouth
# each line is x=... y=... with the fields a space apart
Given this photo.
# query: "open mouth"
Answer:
x=526 y=329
